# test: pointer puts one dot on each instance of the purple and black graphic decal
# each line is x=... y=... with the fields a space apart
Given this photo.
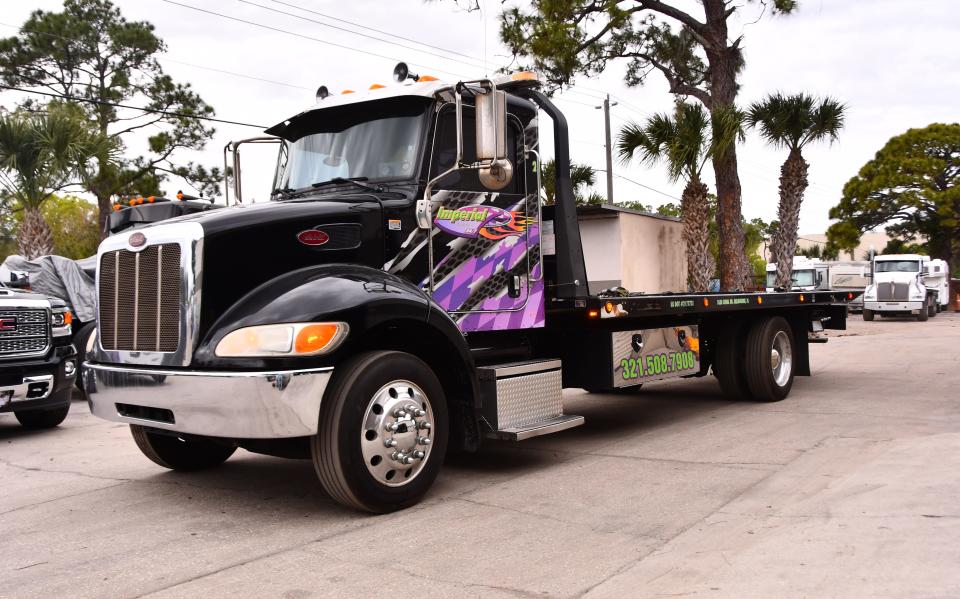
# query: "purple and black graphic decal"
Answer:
x=486 y=256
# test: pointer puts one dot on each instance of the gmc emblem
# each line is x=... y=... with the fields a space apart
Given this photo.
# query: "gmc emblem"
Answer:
x=8 y=324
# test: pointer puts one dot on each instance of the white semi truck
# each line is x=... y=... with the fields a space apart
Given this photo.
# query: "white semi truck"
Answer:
x=906 y=284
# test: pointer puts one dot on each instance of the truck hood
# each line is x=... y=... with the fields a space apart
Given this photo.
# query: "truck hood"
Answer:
x=245 y=247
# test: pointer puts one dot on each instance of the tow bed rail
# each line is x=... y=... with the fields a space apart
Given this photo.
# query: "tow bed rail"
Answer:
x=707 y=303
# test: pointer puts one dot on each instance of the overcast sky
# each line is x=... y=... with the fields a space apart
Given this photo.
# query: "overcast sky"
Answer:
x=893 y=63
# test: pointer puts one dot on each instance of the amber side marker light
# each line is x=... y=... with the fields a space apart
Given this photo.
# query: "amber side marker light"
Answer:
x=706 y=303
x=593 y=313
x=312 y=338
x=759 y=300
x=802 y=298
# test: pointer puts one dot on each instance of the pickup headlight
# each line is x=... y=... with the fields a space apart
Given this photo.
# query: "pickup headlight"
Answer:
x=289 y=339
x=60 y=321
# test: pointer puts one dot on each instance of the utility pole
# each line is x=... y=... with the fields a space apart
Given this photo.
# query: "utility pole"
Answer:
x=609 y=148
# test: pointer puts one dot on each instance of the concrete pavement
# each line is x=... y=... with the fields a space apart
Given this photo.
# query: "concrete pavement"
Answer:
x=849 y=488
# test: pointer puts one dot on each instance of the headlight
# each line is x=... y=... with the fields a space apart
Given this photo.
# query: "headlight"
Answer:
x=60 y=320
x=290 y=339
x=870 y=293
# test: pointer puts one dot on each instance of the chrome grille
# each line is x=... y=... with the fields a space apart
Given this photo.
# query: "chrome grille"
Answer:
x=140 y=299
x=893 y=291
x=28 y=332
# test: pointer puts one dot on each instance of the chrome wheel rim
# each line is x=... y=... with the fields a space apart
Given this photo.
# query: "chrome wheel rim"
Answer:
x=397 y=434
x=781 y=358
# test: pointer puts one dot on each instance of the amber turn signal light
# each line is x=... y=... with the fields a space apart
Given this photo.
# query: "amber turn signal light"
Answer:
x=314 y=337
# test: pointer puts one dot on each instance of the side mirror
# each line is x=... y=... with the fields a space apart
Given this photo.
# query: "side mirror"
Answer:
x=491 y=134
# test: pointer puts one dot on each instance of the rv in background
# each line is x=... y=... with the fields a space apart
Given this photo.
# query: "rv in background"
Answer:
x=850 y=276
x=808 y=275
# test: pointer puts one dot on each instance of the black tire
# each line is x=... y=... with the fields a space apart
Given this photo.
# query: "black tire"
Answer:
x=336 y=448
x=728 y=362
x=932 y=309
x=867 y=315
x=766 y=383
x=40 y=419
x=186 y=454
x=80 y=343
x=924 y=312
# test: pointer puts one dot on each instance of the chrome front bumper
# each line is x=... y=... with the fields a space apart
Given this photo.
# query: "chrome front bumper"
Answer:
x=893 y=306
x=31 y=388
x=240 y=405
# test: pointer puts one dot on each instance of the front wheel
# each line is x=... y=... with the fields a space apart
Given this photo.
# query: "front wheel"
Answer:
x=924 y=312
x=40 y=419
x=769 y=359
x=184 y=453
x=382 y=433
x=867 y=315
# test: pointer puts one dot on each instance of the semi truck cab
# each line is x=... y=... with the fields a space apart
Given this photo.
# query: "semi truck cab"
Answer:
x=906 y=284
x=404 y=291
x=808 y=275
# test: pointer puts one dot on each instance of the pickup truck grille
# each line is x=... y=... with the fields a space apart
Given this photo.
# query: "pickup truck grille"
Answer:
x=894 y=292
x=24 y=332
x=140 y=299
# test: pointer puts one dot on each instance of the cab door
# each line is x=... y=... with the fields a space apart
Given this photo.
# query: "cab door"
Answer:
x=485 y=268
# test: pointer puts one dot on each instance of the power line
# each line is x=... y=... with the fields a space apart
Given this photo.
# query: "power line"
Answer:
x=300 y=35
x=663 y=193
x=364 y=35
x=333 y=18
x=140 y=108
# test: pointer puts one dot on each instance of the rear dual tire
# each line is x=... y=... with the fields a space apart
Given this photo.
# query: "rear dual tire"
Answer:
x=756 y=362
x=867 y=315
x=924 y=312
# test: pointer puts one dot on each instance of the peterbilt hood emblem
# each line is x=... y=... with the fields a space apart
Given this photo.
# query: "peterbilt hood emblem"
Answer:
x=312 y=237
x=137 y=240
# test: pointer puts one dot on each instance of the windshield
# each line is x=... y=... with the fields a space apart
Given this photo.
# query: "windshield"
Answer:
x=897 y=266
x=801 y=278
x=373 y=143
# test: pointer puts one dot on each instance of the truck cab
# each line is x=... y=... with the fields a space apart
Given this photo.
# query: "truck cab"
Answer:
x=906 y=284
x=808 y=275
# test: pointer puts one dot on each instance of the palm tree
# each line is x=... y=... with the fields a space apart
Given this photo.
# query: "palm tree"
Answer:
x=684 y=142
x=581 y=176
x=40 y=154
x=792 y=122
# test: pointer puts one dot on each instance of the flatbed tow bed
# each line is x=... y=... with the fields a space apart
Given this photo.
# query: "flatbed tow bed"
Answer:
x=416 y=294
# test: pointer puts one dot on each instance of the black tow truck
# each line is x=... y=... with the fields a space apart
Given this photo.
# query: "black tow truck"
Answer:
x=405 y=292
x=38 y=363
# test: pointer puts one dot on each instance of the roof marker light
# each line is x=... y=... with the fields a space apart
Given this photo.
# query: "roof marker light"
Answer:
x=377 y=86
x=346 y=91
x=425 y=78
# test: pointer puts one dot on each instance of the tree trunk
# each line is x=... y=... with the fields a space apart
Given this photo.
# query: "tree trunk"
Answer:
x=793 y=182
x=695 y=212
x=725 y=61
x=105 y=208
x=35 y=238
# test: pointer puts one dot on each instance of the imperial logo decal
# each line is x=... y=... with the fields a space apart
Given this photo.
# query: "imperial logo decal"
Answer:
x=312 y=237
x=8 y=324
x=137 y=240
x=480 y=221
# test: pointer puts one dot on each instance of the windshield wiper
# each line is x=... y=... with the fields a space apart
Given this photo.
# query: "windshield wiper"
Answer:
x=286 y=192
x=358 y=181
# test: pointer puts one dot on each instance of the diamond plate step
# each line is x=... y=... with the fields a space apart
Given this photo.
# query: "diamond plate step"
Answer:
x=524 y=399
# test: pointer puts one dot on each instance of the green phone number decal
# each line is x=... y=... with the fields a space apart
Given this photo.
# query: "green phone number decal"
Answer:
x=657 y=364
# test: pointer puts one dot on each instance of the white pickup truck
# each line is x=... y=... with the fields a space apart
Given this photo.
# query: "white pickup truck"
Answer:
x=906 y=284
